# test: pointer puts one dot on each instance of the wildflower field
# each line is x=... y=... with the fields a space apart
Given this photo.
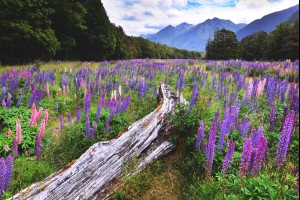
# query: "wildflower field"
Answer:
x=237 y=138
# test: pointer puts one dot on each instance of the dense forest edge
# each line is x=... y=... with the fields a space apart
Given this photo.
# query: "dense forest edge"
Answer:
x=70 y=30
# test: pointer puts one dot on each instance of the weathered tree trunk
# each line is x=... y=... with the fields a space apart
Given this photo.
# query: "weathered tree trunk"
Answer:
x=101 y=165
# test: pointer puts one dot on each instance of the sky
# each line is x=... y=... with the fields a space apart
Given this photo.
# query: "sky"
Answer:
x=149 y=16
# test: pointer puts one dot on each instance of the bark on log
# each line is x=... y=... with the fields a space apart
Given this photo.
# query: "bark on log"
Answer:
x=102 y=163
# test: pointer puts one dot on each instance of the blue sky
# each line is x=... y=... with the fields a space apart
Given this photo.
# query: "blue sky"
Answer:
x=149 y=16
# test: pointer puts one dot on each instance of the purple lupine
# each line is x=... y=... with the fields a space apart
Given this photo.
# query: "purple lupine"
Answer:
x=255 y=85
x=283 y=89
x=70 y=120
x=38 y=146
x=284 y=142
x=272 y=116
x=200 y=135
x=62 y=123
x=295 y=106
x=141 y=90
x=10 y=168
x=259 y=155
x=15 y=148
x=87 y=127
x=87 y=102
x=100 y=102
x=195 y=94
x=19 y=100
x=8 y=102
x=32 y=97
x=246 y=157
x=38 y=97
x=244 y=127
x=126 y=103
x=228 y=157
x=256 y=135
x=271 y=90
x=78 y=114
x=3 y=103
x=94 y=130
x=154 y=91
x=3 y=93
x=107 y=126
x=210 y=149
x=3 y=173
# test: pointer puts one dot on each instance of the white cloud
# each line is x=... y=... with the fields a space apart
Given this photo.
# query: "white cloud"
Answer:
x=174 y=12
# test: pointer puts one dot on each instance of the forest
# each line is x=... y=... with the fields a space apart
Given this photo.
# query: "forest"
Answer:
x=70 y=30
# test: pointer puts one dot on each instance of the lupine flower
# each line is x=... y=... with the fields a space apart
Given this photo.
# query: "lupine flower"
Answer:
x=8 y=102
x=94 y=130
x=87 y=127
x=246 y=157
x=285 y=138
x=100 y=102
x=271 y=90
x=32 y=121
x=87 y=102
x=18 y=132
x=61 y=119
x=46 y=116
x=228 y=157
x=3 y=174
x=43 y=127
x=272 y=116
x=37 y=116
x=3 y=103
x=107 y=126
x=9 y=170
x=3 y=93
x=70 y=121
x=15 y=148
x=200 y=135
x=260 y=88
x=210 y=149
x=256 y=135
x=47 y=90
x=78 y=114
x=9 y=133
x=6 y=148
x=244 y=127
x=195 y=94
x=38 y=146
x=259 y=155
x=19 y=100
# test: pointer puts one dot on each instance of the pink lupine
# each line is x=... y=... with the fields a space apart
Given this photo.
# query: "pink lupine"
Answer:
x=260 y=88
x=46 y=116
x=250 y=87
x=33 y=113
x=18 y=131
x=9 y=133
x=47 y=89
x=37 y=116
x=43 y=127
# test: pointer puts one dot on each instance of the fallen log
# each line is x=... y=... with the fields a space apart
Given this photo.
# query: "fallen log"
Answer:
x=101 y=164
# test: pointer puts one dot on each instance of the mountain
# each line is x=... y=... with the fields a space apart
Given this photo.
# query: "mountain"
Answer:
x=166 y=35
x=293 y=17
x=268 y=23
x=196 y=38
x=190 y=37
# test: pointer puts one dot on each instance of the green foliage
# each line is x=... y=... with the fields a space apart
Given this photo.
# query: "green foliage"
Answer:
x=224 y=46
x=254 y=47
x=28 y=170
x=233 y=187
x=8 y=121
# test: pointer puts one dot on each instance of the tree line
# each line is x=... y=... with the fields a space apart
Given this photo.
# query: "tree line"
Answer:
x=280 y=44
x=70 y=30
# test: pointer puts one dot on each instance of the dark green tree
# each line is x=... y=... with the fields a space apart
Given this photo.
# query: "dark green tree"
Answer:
x=223 y=46
x=25 y=31
x=68 y=20
x=254 y=47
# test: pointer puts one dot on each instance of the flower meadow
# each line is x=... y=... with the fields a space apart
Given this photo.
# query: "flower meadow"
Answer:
x=237 y=137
